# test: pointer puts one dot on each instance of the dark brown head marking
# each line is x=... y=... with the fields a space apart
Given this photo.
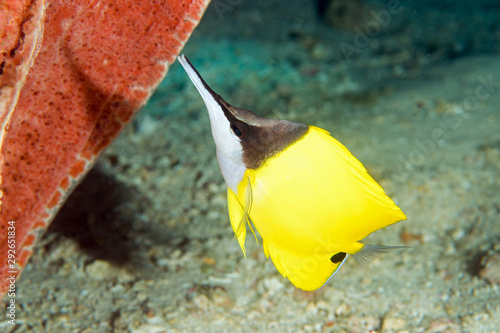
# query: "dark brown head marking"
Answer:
x=260 y=137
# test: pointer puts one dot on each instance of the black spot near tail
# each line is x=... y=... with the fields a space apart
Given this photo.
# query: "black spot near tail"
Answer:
x=338 y=257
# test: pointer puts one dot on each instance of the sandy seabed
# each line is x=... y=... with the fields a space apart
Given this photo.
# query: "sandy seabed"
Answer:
x=144 y=245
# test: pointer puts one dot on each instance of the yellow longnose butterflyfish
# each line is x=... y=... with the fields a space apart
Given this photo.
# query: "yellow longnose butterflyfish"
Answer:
x=309 y=198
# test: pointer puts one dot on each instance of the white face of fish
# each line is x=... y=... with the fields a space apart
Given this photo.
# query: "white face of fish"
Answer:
x=229 y=149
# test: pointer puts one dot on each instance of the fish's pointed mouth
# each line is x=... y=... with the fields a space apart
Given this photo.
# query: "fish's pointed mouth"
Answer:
x=197 y=80
x=229 y=148
x=214 y=102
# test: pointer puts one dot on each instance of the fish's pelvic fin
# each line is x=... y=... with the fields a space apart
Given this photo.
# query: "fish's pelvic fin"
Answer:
x=370 y=252
x=240 y=215
x=248 y=207
x=236 y=215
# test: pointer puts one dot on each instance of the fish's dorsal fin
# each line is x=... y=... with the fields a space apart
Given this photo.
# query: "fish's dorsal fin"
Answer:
x=370 y=252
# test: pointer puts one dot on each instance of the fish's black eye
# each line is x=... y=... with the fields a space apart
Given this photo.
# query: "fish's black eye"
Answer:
x=236 y=130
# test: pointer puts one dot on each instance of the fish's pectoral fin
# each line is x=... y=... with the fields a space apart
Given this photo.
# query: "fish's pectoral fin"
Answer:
x=370 y=252
x=236 y=216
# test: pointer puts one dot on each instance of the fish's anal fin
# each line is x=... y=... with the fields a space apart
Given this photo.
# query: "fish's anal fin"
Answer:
x=309 y=272
x=370 y=252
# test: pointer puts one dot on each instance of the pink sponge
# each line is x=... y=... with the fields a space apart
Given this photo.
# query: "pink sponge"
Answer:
x=99 y=63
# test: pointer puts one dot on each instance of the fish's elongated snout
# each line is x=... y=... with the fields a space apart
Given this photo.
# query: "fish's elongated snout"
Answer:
x=229 y=149
x=208 y=95
x=220 y=124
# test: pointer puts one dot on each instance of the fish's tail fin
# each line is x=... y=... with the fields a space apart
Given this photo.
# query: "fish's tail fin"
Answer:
x=370 y=252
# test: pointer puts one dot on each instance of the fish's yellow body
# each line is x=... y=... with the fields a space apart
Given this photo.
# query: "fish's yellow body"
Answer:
x=310 y=201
